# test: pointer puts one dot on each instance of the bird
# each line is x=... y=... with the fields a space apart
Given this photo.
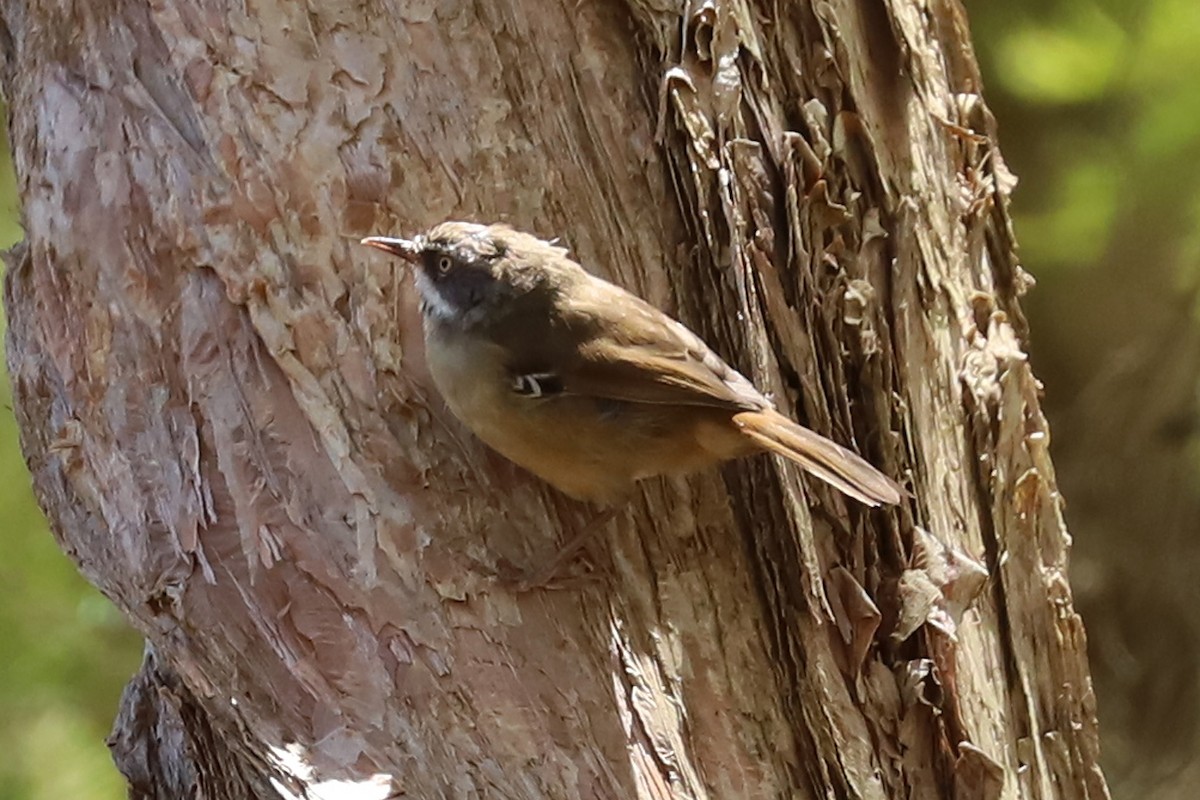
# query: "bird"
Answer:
x=583 y=383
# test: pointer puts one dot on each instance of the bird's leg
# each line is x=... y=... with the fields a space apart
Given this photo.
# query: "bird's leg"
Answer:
x=548 y=575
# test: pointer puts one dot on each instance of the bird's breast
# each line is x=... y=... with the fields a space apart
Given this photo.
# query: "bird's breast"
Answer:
x=471 y=374
x=590 y=448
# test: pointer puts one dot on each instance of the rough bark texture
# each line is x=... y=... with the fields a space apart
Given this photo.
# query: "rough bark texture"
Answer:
x=230 y=426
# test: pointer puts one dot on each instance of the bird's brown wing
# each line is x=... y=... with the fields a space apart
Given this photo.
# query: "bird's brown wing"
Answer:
x=615 y=346
x=629 y=350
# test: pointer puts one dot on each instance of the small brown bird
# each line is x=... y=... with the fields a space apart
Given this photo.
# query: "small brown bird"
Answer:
x=584 y=384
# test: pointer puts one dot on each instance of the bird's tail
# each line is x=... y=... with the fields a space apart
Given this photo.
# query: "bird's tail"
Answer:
x=830 y=462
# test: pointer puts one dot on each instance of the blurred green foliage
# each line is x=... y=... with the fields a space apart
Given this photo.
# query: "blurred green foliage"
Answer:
x=1099 y=109
x=66 y=652
x=1100 y=116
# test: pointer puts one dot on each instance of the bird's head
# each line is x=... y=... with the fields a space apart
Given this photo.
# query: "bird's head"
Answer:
x=469 y=273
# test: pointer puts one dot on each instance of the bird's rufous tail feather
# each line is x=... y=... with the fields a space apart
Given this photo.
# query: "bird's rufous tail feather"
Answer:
x=830 y=462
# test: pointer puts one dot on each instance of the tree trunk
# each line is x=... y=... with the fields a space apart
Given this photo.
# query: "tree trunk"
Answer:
x=231 y=428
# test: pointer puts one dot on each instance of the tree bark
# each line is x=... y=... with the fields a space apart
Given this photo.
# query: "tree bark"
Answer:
x=230 y=426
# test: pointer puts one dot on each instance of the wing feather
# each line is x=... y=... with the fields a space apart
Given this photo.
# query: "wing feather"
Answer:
x=632 y=351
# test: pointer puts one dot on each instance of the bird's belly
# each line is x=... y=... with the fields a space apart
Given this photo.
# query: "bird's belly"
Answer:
x=593 y=449
x=589 y=448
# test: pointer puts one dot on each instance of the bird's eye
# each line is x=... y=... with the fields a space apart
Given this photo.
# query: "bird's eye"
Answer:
x=444 y=263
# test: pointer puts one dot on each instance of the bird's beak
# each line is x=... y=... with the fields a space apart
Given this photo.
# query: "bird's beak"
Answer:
x=406 y=249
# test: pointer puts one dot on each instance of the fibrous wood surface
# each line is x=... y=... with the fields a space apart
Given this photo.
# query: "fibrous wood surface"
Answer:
x=230 y=425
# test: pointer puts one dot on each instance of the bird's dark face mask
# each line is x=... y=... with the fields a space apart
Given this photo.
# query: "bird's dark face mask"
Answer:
x=455 y=282
x=464 y=276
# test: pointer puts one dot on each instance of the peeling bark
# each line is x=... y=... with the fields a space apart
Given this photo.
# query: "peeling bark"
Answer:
x=165 y=747
x=229 y=423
